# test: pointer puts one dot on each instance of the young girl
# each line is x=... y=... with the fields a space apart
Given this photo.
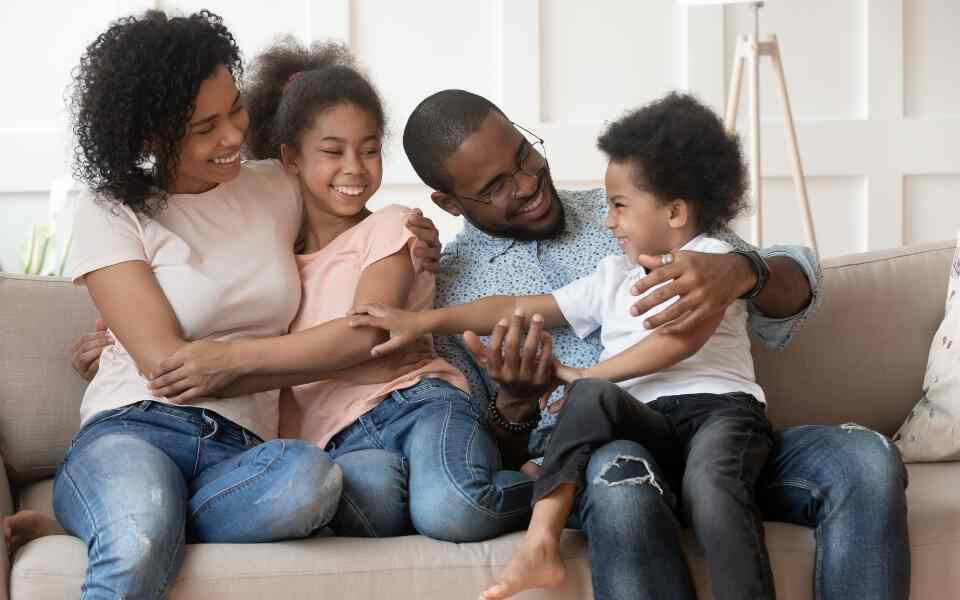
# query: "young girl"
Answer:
x=315 y=112
x=690 y=398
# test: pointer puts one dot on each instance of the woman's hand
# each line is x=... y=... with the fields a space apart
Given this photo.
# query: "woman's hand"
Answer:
x=403 y=325
x=387 y=368
x=196 y=370
x=426 y=253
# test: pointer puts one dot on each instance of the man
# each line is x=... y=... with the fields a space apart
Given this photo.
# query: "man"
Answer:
x=522 y=236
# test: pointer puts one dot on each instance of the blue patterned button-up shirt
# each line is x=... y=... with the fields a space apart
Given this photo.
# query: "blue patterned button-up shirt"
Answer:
x=476 y=265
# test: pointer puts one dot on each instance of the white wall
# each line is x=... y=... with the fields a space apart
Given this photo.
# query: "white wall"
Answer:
x=874 y=85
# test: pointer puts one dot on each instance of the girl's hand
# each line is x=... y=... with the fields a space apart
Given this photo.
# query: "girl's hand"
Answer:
x=426 y=252
x=196 y=370
x=402 y=325
x=567 y=374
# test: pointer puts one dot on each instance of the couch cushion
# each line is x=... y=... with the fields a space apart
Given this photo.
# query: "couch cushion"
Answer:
x=861 y=358
x=417 y=567
x=40 y=318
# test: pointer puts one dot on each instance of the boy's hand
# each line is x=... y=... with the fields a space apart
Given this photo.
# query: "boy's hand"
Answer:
x=403 y=325
x=426 y=253
x=567 y=374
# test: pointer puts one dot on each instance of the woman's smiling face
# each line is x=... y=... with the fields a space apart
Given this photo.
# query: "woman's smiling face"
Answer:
x=210 y=150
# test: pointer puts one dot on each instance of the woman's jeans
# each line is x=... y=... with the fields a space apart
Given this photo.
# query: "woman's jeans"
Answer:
x=431 y=435
x=710 y=447
x=140 y=481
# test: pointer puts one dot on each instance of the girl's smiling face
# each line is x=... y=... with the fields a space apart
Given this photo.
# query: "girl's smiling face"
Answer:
x=339 y=161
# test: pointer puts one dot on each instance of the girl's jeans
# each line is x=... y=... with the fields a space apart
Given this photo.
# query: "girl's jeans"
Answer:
x=141 y=480
x=457 y=489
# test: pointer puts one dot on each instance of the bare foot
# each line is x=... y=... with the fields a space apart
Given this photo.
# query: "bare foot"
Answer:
x=537 y=564
x=26 y=526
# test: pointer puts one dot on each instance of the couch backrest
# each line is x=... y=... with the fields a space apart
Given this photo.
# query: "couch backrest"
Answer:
x=40 y=318
x=862 y=357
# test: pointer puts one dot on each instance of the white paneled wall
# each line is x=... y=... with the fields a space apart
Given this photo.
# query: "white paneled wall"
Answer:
x=874 y=85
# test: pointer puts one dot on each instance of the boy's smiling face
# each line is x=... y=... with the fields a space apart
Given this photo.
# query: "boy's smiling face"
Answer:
x=641 y=223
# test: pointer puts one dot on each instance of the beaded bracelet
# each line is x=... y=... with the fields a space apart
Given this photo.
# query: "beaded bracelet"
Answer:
x=497 y=418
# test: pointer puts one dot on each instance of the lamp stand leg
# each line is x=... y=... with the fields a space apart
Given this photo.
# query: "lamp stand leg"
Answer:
x=756 y=193
x=796 y=165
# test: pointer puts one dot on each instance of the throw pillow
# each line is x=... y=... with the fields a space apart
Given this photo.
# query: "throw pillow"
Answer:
x=932 y=430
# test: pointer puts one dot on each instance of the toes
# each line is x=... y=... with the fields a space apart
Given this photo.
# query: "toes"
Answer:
x=496 y=592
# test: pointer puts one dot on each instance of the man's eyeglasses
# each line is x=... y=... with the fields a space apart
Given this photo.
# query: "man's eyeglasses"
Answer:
x=531 y=161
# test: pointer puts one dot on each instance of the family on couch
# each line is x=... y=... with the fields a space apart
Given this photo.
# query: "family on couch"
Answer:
x=223 y=282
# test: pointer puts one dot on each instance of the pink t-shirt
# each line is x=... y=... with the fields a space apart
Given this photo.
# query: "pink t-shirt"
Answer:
x=225 y=262
x=318 y=411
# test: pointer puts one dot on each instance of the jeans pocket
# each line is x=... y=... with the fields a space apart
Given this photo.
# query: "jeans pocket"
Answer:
x=98 y=419
x=426 y=390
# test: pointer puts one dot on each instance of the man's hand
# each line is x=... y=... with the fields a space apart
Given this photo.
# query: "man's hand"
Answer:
x=426 y=253
x=198 y=369
x=524 y=369
x=706 y=284
x=85 y=353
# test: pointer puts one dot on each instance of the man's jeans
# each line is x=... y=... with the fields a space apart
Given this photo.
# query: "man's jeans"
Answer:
x=141 y=480
x=457 y=489
x=711 y=449
x=846 y=483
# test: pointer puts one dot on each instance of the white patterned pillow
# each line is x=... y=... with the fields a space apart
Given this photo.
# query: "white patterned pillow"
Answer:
x=932 y=430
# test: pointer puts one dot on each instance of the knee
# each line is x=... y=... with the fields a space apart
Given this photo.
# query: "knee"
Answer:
x=374 y=501
x=871 y=467
x=624 y=482
x=595 y=391
x=311 y=494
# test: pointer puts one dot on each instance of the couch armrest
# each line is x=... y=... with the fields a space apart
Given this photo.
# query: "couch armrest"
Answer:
x=6 y=508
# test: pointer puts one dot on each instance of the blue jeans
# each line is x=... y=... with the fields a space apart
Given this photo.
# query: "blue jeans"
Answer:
x=140 y=481
x=450 y=462
x=846 y=483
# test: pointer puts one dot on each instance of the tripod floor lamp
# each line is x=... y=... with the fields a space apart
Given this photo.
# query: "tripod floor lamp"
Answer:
x=749 y=50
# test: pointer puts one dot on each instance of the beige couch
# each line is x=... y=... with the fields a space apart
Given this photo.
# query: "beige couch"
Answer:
x=861 y=360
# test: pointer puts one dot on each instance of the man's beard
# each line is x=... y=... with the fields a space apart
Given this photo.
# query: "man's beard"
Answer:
x=522 y=234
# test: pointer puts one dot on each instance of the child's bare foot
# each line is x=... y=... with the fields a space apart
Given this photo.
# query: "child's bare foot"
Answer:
x=26 y=526
x=537 y=564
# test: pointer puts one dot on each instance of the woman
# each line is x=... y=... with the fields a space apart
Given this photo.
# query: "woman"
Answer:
x=184 y=242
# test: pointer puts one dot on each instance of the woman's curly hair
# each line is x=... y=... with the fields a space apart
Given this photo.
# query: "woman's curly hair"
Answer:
x=682 y=151
x=133 y=96
x=290 y=84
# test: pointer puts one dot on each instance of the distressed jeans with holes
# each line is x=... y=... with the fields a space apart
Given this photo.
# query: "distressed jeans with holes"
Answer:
x=711 y=447
x=140 y=481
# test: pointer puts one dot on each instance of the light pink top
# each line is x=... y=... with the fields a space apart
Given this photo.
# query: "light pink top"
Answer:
x=224 y=260
x=318 y=411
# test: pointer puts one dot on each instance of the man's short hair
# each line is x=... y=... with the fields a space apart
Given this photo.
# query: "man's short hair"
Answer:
x=437 y=127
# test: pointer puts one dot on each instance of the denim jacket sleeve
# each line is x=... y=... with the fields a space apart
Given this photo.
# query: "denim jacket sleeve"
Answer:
x=777 y=332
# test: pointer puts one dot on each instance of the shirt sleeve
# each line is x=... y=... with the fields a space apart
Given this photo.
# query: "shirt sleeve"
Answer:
x=777 y=332
x=385 y=234
x=104 y=234
x=581 y=302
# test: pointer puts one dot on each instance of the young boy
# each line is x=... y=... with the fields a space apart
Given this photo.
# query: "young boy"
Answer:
x=674 y=178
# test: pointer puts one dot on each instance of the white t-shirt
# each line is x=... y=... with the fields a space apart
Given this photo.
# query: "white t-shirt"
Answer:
x=602 y=299
x=225 y=262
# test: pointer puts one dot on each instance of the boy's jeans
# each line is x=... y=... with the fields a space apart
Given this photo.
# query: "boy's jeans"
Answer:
x=140 y=480
x=457 y=489
x=710 y=447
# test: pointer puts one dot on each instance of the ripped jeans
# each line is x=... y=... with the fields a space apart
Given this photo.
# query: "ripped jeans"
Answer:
x=710 y=447
x=140 y=481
